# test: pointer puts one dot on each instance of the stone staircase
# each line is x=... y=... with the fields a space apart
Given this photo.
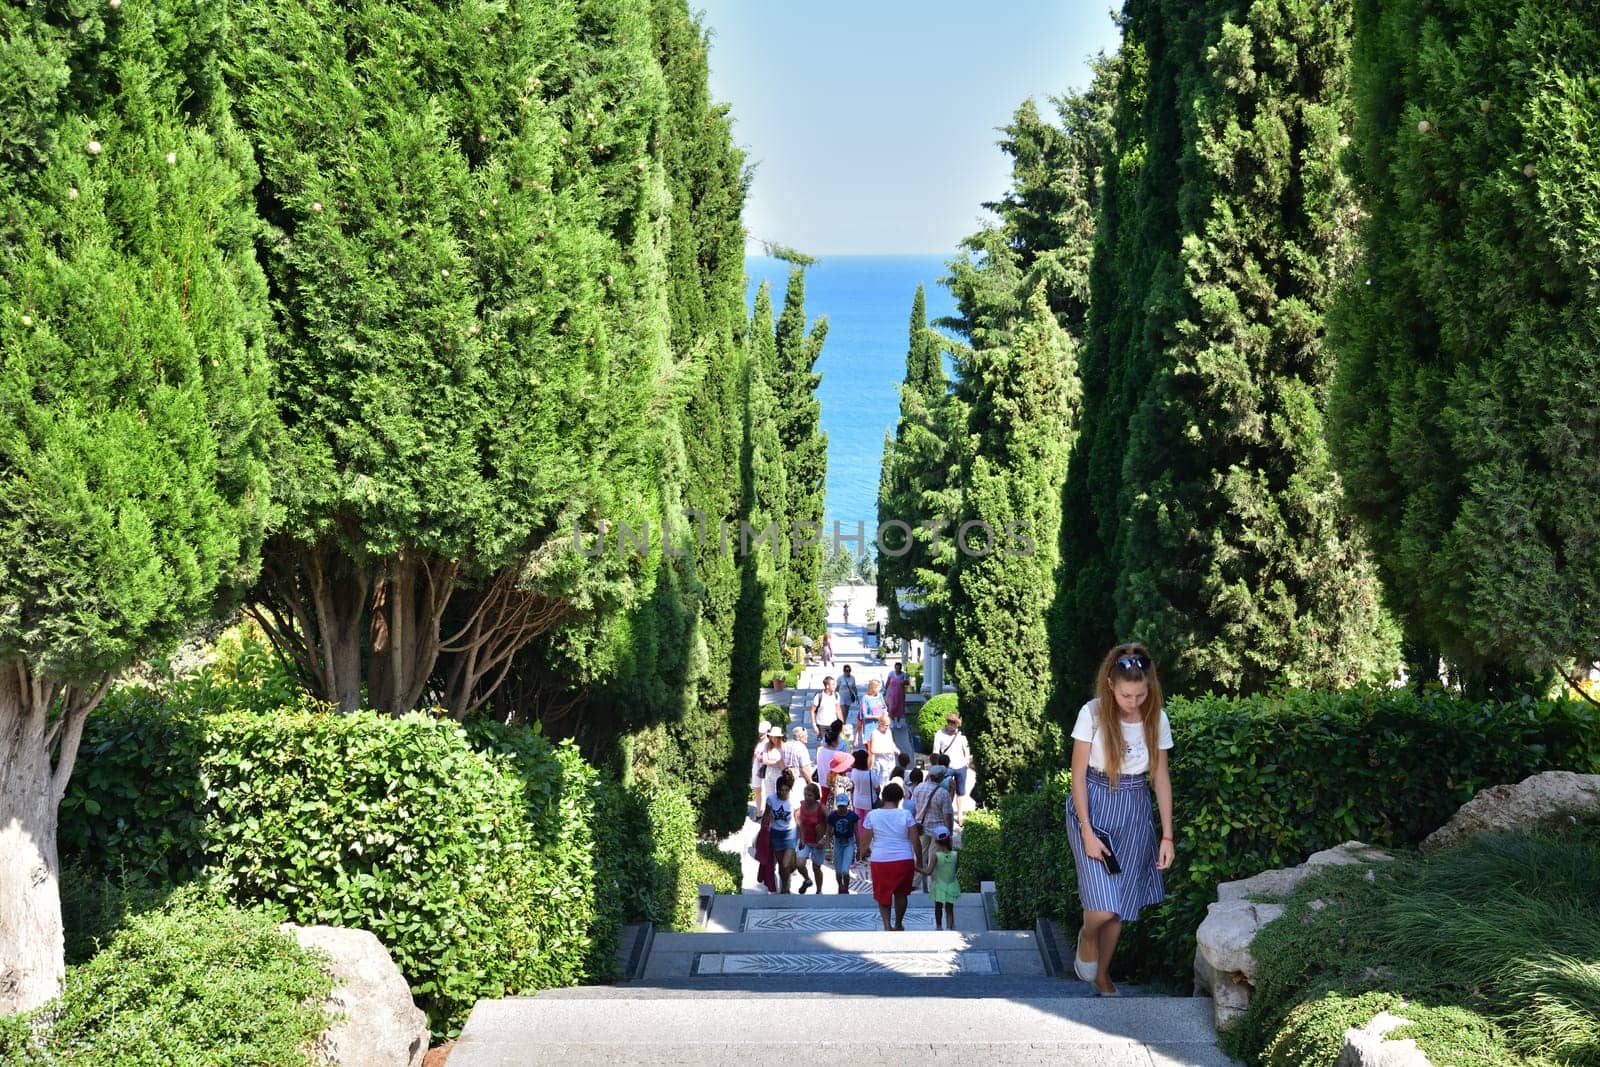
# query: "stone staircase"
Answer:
x=804 y=975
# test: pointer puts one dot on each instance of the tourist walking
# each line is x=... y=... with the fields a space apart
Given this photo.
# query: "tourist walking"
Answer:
x=811 y=848
x=934 y=807
x=779 y=818
x=771 y=759
x=825 y=710
x=797 y=755
x=940 y=869
x=827 y=650
x=864 y=783
x=894 y=697
x=872 y=707
x=843 y=823
x=889 y=838
x=848 y=694
x=881 y=748
x=951 y=742
x=1119 y=757
x=828 y=747
x=755 y=765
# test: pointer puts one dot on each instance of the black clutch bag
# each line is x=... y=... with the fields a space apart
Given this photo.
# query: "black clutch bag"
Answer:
x=1110 y=858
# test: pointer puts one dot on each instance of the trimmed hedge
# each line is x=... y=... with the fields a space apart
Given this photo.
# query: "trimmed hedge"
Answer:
x=716 y=868
x=196 y=981
x=930 y=720
x=471 y=856
x=647 y=855
x=981 y=849
x=1263 y=782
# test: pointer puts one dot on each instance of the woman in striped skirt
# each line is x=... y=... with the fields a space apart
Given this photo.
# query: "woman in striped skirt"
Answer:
x=1110 y=803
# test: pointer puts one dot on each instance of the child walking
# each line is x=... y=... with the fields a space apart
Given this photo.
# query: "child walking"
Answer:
x=843 y=824
x=941 y=871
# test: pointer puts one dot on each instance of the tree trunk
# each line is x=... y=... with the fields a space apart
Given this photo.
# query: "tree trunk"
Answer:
x=37 y=750
x=312 y=603
x=408 y=605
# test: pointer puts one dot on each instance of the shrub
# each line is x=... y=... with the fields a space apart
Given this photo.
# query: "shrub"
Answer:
x=716 y=868
x=194 y=982
x=1491 y=947
x=930 y=720
x=646 y=853
x=470 y=856
x=980 y=850
x=1263 y=782
x=1034 y=873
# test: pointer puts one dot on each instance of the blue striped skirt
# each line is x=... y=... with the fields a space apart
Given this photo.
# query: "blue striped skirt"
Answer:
x=1124 y=813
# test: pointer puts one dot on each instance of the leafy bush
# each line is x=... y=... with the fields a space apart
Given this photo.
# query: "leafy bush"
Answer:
x=716 y=868
x=470 y=856
x=1491 y=945
x=980 y=850
x=195 y=982
x=94 y=907
x=1034 y=874
x=1263 y=782
x=930 y=720
x=647 y=855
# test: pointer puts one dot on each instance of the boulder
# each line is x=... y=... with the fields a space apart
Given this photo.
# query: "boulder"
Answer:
x=1224 y=968
x=1370 y=1047
x=376 y=1024
x=1544 y=800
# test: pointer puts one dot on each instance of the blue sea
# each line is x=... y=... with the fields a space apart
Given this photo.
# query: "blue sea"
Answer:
x=867 y=300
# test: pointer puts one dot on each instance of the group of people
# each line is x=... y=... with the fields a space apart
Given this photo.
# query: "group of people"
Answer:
x=863 y=802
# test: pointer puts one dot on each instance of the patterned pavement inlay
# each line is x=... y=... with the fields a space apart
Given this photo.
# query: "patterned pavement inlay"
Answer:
x=934 y=964
x=811 y=920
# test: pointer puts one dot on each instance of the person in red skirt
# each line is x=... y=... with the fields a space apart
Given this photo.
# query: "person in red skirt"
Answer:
x=890 y=838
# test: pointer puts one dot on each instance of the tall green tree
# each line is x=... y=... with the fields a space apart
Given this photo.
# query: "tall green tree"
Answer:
x=1219 y=531
x=134 y=413
x=805 y=454
x=463 y=205
x=1021 y=404
x=758 y=538
x=1468 y=336
x=914 y=502
x=1235 y=555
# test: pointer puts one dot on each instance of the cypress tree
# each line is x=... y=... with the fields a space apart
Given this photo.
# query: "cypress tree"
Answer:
x=134 y=412
x=1021 y=405
x=805 y=454
x=463 y=206
x=1469 y=334
x=1235 y=557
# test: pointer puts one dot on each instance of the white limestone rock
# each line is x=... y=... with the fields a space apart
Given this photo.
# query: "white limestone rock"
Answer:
x=1542 y=801
x=376 y=1024
x=1369 y=1046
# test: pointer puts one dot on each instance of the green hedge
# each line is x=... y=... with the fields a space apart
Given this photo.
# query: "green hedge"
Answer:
x=716 y=868
x=980 y=850
x=930 y=720
x=194 y=982
x=470 y=855
x=1264 y=782
x=647 y=855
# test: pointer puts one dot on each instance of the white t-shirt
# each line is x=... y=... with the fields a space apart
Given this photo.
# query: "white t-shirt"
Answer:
x=782 y=815
x=827 y=705
x=863 y=784
x=890 y=838
x=955 y=746
x=1135 y=756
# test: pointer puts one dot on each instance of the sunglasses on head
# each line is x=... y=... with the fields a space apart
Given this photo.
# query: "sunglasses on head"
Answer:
x=1134 y=662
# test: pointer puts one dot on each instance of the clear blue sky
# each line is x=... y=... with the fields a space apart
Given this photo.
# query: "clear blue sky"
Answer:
x=872 y=123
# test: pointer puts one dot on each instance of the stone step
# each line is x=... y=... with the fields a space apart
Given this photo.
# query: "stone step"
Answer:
x=1070 y=1031
x=829 y=911
x=946 y=954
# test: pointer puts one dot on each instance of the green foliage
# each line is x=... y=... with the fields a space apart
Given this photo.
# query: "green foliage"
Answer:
x=1383 y=766
x=647 y=860
x=1021 y=401
x=981 y=850
x=931 y=716
x=95 y=906
x=1467 y=335
x=195 y=982
x=470 y=856
x=716 y=868
x=134 y=415
x=1489 y=946
x=805 y=452
x=1034 y=872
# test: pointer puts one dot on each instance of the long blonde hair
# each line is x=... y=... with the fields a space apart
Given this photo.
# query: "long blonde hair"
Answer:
x=1110 y=718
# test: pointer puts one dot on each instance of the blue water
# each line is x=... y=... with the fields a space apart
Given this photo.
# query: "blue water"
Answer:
x=867 y=300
